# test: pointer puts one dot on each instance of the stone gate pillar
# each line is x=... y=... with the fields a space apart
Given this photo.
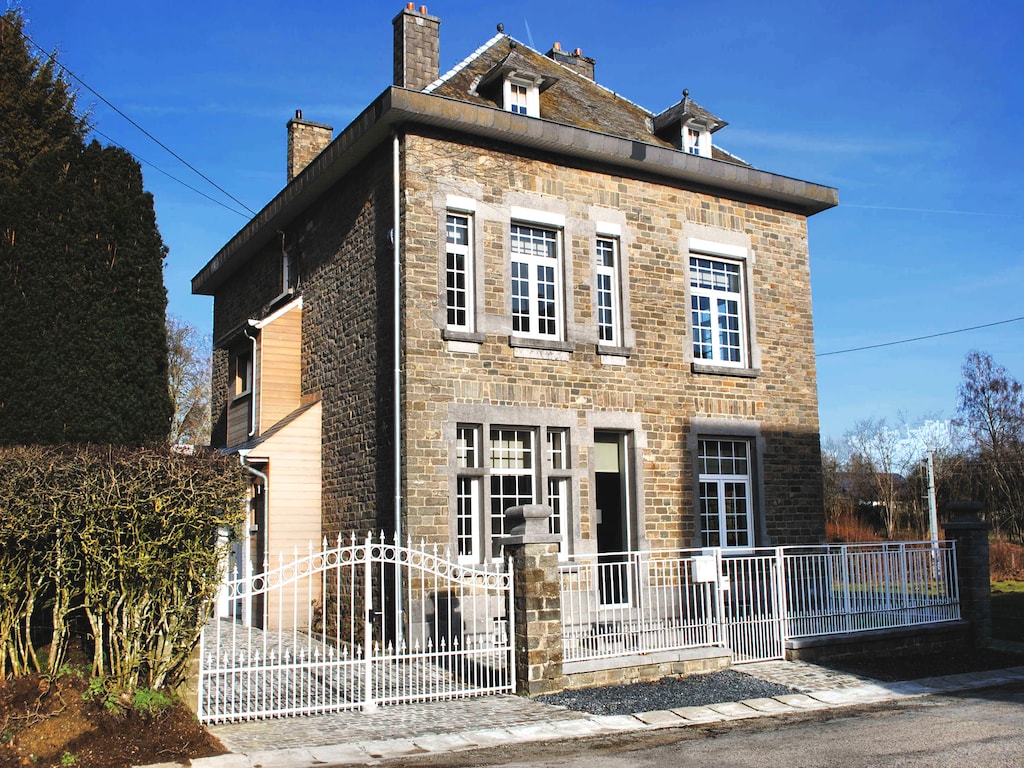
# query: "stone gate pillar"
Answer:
x=538 y=601
x=970 y=533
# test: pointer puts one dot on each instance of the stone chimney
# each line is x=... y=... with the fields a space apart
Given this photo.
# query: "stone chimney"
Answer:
x=575 y=60
x=417 y=48
x=306 y=140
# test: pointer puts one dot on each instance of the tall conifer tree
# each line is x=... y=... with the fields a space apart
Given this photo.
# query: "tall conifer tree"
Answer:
x=83 y=347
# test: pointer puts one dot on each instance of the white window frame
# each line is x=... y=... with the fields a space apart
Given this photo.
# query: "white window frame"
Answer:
x=607 y=291
x=496 y=461
x=718 y=486
x=707 y=299
x=465 y=251
x=521 y=97
x=527 y=265
x=696 y=140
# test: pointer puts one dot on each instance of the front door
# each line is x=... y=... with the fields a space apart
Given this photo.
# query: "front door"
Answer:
x=613 y=515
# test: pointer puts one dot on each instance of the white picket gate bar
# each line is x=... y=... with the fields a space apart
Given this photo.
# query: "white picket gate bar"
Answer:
x=750 y=601
x=354 y=626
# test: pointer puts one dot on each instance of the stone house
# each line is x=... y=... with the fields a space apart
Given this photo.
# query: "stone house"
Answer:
x=506 y=285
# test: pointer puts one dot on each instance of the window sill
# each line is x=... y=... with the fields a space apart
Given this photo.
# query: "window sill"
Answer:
x=725 y=370
x=473 y=337
x=605 y=349
x=241 y=396
x=552 y=345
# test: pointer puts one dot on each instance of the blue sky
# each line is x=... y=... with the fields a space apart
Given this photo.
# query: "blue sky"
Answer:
x=912 y=109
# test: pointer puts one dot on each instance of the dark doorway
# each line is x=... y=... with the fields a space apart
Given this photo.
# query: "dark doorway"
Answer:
x=614 y=528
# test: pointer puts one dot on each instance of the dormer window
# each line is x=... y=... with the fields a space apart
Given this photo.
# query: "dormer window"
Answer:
x=514 y=85
x=687 y=126
x=696 y=140
x=521 y=97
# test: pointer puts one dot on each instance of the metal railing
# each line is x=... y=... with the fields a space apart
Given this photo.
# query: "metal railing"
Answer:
x=751 y=601
x=638 y=602
x=845 y=588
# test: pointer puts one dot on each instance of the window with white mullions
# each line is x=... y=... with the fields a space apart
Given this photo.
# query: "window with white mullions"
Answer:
x=512 y=477
x=608 y=311
x=536 y=282
x=716 y=304
x=724 y=484
x=467 y=492
x=518 y=98
x=558 y=487
x=458 y=273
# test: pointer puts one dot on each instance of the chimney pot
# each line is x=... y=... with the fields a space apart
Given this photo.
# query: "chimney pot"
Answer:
x=557 y=46
x=410 y=6
x=423 y=10
x=298 y=114
x=578 y=52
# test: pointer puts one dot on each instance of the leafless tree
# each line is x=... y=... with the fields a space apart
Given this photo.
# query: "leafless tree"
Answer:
x=991 y=410
x=188 y=358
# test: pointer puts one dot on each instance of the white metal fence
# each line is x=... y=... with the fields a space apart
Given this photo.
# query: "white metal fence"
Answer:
x=858 y=587
x=354 y=626
x=630 y=603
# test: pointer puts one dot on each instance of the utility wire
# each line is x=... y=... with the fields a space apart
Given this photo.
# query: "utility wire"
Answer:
x=142 y=160
x=53 y=57
x=920 y=338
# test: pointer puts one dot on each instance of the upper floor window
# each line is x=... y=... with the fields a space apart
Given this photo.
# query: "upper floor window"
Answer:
x=696 y=140
x=717 y=311
x=607 y=291
x=724 y=480
x=536 y=282
x=242 y=373
x=521 y=97
x=289 y=273
x=458 y=273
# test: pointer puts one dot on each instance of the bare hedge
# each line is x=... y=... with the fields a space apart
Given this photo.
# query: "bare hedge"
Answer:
x=120 y=545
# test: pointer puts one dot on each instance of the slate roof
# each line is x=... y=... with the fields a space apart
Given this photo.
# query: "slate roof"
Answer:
x=566 y=96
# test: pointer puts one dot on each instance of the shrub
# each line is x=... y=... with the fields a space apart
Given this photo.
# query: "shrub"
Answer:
x=123 y=541
x=1006 y=560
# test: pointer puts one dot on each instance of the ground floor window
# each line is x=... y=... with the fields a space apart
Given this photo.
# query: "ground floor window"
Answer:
x=502 y=466
x=724 y=481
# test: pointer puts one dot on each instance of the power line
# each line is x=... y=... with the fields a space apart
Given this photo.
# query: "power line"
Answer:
x=165 y=173
x=920 y=338
x=53 y=57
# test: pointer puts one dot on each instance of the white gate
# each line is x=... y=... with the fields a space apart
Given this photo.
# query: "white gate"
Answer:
x=354 y=626
x=752 y=608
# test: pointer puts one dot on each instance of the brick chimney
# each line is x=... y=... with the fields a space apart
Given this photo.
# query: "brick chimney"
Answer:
x=575 y=60
x=306 y=140
x=417 y=48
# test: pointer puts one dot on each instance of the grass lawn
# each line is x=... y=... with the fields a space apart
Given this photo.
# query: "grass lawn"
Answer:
x=1008 y=610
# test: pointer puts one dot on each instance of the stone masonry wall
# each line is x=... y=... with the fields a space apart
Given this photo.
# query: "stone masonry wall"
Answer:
x=656 y=384
x=345 y=267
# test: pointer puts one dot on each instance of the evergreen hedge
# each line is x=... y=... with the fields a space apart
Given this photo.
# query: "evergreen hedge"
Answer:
x=121 y=543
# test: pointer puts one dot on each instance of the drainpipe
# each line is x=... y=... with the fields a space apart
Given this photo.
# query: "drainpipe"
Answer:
x=252 y=384
x=396 y=241
x=243 y=455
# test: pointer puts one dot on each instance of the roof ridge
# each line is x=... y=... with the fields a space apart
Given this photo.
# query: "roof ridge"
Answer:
x=464 y=63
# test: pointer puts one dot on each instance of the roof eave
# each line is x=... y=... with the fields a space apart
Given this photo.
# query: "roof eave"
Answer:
x=397 y=106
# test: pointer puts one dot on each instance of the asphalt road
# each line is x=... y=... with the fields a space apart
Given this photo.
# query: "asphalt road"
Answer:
x=976 y=729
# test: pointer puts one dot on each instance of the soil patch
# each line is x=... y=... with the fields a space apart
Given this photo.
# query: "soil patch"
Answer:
x=48 y=723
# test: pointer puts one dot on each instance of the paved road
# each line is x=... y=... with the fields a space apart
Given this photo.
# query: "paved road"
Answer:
x=976 y=728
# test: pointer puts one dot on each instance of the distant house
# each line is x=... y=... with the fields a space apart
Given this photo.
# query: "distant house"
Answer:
x=597 y=308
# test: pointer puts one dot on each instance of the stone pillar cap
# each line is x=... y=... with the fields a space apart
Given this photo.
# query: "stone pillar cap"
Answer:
x=529 y=525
